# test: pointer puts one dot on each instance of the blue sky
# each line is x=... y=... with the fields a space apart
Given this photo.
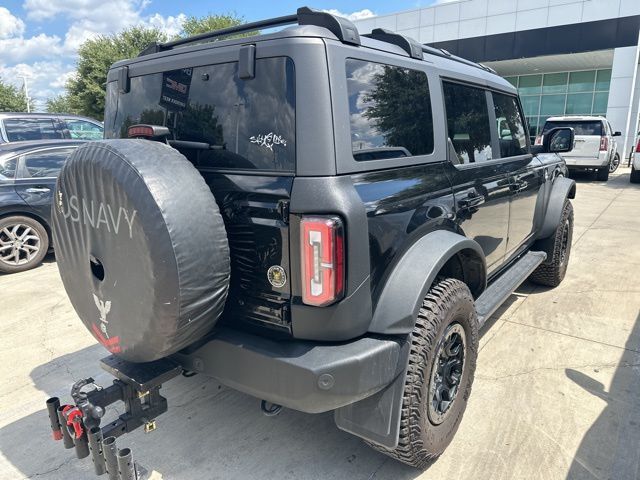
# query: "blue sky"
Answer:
x=39 y=38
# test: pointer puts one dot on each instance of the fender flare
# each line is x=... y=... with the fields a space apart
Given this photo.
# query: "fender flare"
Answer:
x=411 y=278
x=561 y=189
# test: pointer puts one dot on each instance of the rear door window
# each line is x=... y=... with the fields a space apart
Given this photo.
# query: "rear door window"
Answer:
x=389 y=111
x=586 y=127
x=468 y=125
x=44 y=164
x=510 y=123
x=20 y=129
x=235 y=123
x=8 y=168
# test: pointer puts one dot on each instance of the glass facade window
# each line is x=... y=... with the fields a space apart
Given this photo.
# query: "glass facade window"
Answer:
x=562 y=93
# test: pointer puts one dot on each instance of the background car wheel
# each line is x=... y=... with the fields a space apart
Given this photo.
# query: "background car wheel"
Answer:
x=602 y=174
x=614 y=164
x=23 y=244
x=558 y=247
x=635 y=175
x=442 y=362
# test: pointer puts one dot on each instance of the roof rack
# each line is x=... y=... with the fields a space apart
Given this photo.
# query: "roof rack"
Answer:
x=342 y=28
x=441 y=52
x=408 y=44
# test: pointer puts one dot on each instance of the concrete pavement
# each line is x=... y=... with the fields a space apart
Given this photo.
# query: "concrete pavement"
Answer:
x=556 y=395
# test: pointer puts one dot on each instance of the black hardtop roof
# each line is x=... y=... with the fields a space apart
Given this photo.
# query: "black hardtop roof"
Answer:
x=311 y=23
x=24 y=146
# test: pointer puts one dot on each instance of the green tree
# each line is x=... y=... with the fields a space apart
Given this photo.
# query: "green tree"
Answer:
x=86 y=90
x=195 y=26
x=12 y=99
x=60 y=104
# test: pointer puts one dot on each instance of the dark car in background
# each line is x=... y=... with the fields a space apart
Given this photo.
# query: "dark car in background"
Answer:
x=28 y=172
x=19 y=127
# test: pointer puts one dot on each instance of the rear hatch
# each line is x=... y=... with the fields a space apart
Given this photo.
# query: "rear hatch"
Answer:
x=588 y=134
x=240 y=135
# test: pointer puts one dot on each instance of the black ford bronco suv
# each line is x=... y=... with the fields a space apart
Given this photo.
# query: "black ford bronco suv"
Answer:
x=321 y=219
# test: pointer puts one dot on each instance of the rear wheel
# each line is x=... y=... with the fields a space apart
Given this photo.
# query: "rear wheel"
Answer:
x=442 y=362
x=635 y=175
x=602 y=174
x=23 y=244
x=558 y=248
x=614 y=164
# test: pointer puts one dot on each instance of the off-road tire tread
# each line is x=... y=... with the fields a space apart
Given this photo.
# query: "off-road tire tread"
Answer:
x=550 y=273
x=442 y=296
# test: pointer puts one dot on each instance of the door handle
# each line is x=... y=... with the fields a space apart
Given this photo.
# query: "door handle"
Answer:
x=38 y=190
x=520 y=186
x=472 y=200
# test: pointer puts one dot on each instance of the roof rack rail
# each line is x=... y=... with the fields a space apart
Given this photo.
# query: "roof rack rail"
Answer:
x=342 y=28
x=441 y=52
x=408 y=44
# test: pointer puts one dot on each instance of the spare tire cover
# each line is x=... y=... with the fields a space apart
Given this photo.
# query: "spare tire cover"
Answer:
x=141 y=247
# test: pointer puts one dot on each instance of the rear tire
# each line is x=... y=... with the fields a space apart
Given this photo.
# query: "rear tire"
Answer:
x=558 y=248
x=635 y=175
x=446 y=335
x=602 y=174
x=614 y=164
x=23 y=244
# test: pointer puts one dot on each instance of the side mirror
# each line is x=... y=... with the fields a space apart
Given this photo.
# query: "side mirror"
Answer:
x=616 y=134
x=559 y=140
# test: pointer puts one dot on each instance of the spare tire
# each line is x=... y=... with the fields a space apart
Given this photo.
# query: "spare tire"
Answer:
x=141 y=247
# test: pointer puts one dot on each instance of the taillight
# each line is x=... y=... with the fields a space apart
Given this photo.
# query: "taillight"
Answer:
x=638 y=146
x=604 y=144
x=538 y=140
x=322 y=249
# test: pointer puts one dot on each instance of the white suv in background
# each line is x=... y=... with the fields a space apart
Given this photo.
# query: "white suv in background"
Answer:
x=635 y=161
x=595 y=147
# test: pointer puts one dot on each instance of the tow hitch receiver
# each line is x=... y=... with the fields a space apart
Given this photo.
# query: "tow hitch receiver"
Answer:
x=137 y=385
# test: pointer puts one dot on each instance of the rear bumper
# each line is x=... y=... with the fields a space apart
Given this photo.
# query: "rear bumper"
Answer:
x=586 y=162
x=307 y=376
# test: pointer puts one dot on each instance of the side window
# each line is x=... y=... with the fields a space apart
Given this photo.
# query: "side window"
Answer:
x=8 y=169
x=83 y=130
x=19 y=129
x=45 y=164
x=511 y=131
x=389 y=111
x=468 y=122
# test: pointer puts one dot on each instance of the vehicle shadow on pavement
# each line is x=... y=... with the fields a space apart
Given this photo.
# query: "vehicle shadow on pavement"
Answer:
x=611 y=446
x=209 y=431
x=616 y=181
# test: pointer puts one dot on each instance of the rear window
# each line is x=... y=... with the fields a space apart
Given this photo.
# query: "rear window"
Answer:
x=389 y=111
x=237 y=124
x=587 y=127
x=19 y=129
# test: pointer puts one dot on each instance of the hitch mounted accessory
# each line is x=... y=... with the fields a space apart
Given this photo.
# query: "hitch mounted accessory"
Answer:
x=78 y=425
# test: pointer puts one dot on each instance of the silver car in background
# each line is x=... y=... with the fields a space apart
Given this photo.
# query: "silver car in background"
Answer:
x=595 y=146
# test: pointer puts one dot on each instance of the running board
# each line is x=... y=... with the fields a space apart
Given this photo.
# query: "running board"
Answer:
x=496 y=294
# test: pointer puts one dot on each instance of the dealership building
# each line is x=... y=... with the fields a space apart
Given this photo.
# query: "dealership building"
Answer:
x=566 y=57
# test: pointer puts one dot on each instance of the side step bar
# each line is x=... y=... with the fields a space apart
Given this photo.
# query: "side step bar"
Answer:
x=496 y=294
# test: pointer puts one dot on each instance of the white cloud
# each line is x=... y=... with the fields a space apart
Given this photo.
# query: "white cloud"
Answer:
x=46 y=79
x=359 y=15
x=10 y=25
x=18 y=49
x=171 y=25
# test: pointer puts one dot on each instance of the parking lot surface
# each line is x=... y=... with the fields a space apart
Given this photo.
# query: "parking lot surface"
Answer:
x=556 y=395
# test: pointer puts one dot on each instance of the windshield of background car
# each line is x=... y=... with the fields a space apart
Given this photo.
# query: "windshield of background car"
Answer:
x=19 y=129
x=586 y=127
x=246 y=124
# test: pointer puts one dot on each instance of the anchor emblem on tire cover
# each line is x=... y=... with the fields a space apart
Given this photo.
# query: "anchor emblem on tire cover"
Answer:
x=112 y=344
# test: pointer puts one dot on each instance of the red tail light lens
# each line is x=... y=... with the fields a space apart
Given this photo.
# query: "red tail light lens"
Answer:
x=538 y=140
x=140 y=131
x=322 y=245
x=604 y=144
x=638 y=146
